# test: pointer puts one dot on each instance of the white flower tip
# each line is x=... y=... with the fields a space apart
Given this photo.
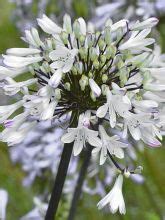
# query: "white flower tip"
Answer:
x=154 y=20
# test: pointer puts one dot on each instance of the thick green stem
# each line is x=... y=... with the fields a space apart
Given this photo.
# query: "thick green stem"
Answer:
x=80 y=181
x=60 y=177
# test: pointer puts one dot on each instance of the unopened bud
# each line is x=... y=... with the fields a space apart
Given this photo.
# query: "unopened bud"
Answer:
x=103 y=58
x=82 y=40
x=83 y=82
x=101 y=44
x=58 y=94
x=76 y=28
x=67 y=86
x=104 y=78
x=90 y=74
x=74 y=70
x=67 y=24
x=104 y=89
x=107 y=35
x=64 y=37
x=93 y=54
x=96 y=64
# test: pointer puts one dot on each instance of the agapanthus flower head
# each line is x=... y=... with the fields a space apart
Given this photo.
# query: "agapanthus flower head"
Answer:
x=98 y=78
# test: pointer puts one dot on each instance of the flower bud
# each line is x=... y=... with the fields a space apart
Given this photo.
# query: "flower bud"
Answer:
x=83 y=82
x=46 y=66
x=101 y=44
x=82 y=40
x=104 y=78
x=36 y=37
x=90 y=74
x=79 y=67
x=49 y=44
x=104 y=89
x=74 y=70
x=76 y=28
x=67 y=24
x=58 y=94
x=107 y=35
x=82 y=52
x=96 y=64
x=103 y=58
x=110 y=51
x=93 y=97
x=64 y=37
x=93 y=54
x=94 y=87
x=67 y=86
x=90 y=40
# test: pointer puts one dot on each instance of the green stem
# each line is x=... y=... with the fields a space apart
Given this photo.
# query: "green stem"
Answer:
x=60 y=177
x=80 y=181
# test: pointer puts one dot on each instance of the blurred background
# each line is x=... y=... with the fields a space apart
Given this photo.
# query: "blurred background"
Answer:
x=144 y=201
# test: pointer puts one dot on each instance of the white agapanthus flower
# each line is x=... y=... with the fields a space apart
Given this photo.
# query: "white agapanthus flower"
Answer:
x=81 y=135
x=63 y=58
x=99 y=79
x=109 y=144
x=116 y=104
x=114 y=199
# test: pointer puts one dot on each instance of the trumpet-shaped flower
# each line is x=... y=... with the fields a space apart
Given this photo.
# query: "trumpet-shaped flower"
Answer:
x=138 y=41
x=114 y=198
x=109 y=144
x=116 y=104
x=11 y=87
x=7 y=110
x=81 y=135
x=140 y=127
x=63 y=58
x=48 y=25
x=16 y=134
x=19 y=62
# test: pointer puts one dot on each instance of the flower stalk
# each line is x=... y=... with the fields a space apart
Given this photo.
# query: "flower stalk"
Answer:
x=80 y=181
x=60 y=177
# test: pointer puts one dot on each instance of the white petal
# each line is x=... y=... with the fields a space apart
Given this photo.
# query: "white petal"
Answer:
x=94 y=87
x=77 y=147
x=22 y=51
x=82 y=26
x=68 y=66
x=96 y=150
x=94 y=141
x=112 y=115
x=48 y=25
x=103 y=155
x=55 y=80
x=18 y=62
x=69 y=137
x=49 y=111
x=102 y=110
x=135 y=132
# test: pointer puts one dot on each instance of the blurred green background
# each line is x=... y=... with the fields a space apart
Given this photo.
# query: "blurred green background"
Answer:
x=146 y=201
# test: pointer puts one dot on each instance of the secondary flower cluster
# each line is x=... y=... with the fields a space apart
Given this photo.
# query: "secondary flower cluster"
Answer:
x=128 y=9
x=105 y=81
